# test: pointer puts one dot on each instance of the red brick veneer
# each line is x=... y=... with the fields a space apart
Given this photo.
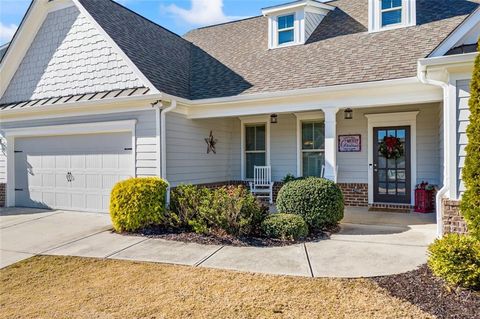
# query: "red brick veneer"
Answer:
x=453 y=221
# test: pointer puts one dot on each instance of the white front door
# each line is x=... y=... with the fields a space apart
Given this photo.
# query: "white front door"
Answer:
x=74 y=172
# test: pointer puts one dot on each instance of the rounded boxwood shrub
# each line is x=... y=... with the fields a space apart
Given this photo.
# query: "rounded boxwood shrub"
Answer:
x=284 y=226
x=136 y=203
x=319 y=201
x=456 y=259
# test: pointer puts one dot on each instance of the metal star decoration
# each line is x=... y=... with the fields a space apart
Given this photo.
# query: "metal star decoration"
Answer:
x=211 y=141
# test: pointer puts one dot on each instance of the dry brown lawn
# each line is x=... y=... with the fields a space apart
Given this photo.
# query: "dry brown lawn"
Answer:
x=71 y=287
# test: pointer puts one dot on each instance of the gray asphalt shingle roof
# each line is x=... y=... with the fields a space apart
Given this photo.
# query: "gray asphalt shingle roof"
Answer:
x=233 y=58
x=340 y=50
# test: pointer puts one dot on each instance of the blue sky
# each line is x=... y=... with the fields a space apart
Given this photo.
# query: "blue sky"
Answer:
x=178 y=16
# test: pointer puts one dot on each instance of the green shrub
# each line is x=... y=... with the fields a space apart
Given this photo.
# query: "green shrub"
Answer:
x=319 y=201
x=470 y=205
x=456 y=259
x=285 y=226
x=138 y=202
x=231 y=209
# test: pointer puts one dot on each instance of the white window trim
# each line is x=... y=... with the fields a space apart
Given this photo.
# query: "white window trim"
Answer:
x=409 y=16
x=393 y=119
x=304 y=117
x=58 y=130
x=393 y=25
x=278 y=30
x=298 y=29
x=262 y=119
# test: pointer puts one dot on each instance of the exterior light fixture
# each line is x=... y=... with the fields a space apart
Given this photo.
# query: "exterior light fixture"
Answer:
x=274 y=118
x=348 y=114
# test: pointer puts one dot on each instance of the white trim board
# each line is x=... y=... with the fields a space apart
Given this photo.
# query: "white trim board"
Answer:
x=306 y=116
x=471 y=22
x=262 y=119
x=393 y=119
x=55 y=130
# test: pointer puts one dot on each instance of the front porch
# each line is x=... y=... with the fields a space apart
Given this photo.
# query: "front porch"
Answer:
x=307 y=144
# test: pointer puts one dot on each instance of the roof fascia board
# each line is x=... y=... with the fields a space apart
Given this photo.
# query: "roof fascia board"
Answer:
x=447 y=60
x=472 y=21
x=117 y=49
x=297 y=92
x=394 y=96
x=23 y=38
x=294 y=6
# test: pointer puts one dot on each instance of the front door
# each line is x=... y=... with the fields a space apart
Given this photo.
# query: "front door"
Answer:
x=391 y=164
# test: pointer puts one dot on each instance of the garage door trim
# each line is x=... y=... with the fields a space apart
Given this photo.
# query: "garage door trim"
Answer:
x=65 y=129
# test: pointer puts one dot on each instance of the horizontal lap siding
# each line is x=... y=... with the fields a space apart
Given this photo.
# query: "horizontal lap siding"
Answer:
x=463 y=114
x=283 y=146
x=187 y=158
x=146 y=163
x=353 y=167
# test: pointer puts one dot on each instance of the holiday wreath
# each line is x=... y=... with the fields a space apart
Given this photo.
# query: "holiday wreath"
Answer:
x=391 y=147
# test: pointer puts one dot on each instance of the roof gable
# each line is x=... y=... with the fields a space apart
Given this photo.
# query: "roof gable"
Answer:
x=68 y=56
x=162 y=56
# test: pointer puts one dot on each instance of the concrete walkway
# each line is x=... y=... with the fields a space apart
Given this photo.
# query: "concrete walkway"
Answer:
x=396 y=245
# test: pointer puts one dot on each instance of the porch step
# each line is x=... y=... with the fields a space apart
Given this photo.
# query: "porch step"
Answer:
x=390 y=207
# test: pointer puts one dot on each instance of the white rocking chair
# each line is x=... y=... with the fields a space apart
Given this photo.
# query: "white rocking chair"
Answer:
x=262 y=185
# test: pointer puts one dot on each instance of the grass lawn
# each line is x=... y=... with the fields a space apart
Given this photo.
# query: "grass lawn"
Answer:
x=71 y=287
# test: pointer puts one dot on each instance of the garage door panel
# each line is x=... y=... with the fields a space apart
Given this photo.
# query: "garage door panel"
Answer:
x=72 y=172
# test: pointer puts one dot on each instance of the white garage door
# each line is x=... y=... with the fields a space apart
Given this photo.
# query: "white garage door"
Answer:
x=74 y=172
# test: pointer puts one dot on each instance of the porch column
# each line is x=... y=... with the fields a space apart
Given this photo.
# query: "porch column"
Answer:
x=330 y=144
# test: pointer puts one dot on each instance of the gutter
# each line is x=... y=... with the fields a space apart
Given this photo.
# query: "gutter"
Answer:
x=161 y=129
x=422 y=76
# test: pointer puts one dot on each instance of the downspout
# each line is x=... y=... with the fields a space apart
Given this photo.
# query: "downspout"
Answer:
x=422 y=75
x=163 y=144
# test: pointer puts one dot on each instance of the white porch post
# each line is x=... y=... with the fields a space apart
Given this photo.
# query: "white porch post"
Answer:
x=331 y=143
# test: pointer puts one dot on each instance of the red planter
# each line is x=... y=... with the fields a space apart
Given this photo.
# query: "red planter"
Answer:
x=424 y=201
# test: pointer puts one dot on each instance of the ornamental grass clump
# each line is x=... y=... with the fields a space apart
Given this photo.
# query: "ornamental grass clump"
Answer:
x=137 y=203
x=470 y=205
x=319 y=201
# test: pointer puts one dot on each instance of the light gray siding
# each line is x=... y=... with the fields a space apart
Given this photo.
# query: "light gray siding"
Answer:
x=187 y=158
x=68 y=56
x=353 y=167
x=463 y=114
x=283 y=146
x=3 y=159
x=312 y=20
x=146 y=164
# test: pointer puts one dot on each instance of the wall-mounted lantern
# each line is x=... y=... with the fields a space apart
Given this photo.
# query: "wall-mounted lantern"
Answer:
x=348 y=114
x=274 y=118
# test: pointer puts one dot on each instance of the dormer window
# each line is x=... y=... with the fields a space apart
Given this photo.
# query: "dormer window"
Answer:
x=292 y=23
x=286 y=29
x=391 y=12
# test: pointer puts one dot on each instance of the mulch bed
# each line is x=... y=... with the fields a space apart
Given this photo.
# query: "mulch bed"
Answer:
x=227 y=240
x=431 y=294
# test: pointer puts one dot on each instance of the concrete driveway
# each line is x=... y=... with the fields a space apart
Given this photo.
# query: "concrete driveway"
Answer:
x=27 y=232
x=387 y=243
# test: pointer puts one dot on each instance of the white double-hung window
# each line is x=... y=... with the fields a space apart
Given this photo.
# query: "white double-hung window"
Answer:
x=286 y=29
x=255 y=148
x=391 y=12
x=313 y=148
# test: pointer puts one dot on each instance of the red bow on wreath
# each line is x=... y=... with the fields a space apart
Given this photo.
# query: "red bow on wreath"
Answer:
x=391 y=147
